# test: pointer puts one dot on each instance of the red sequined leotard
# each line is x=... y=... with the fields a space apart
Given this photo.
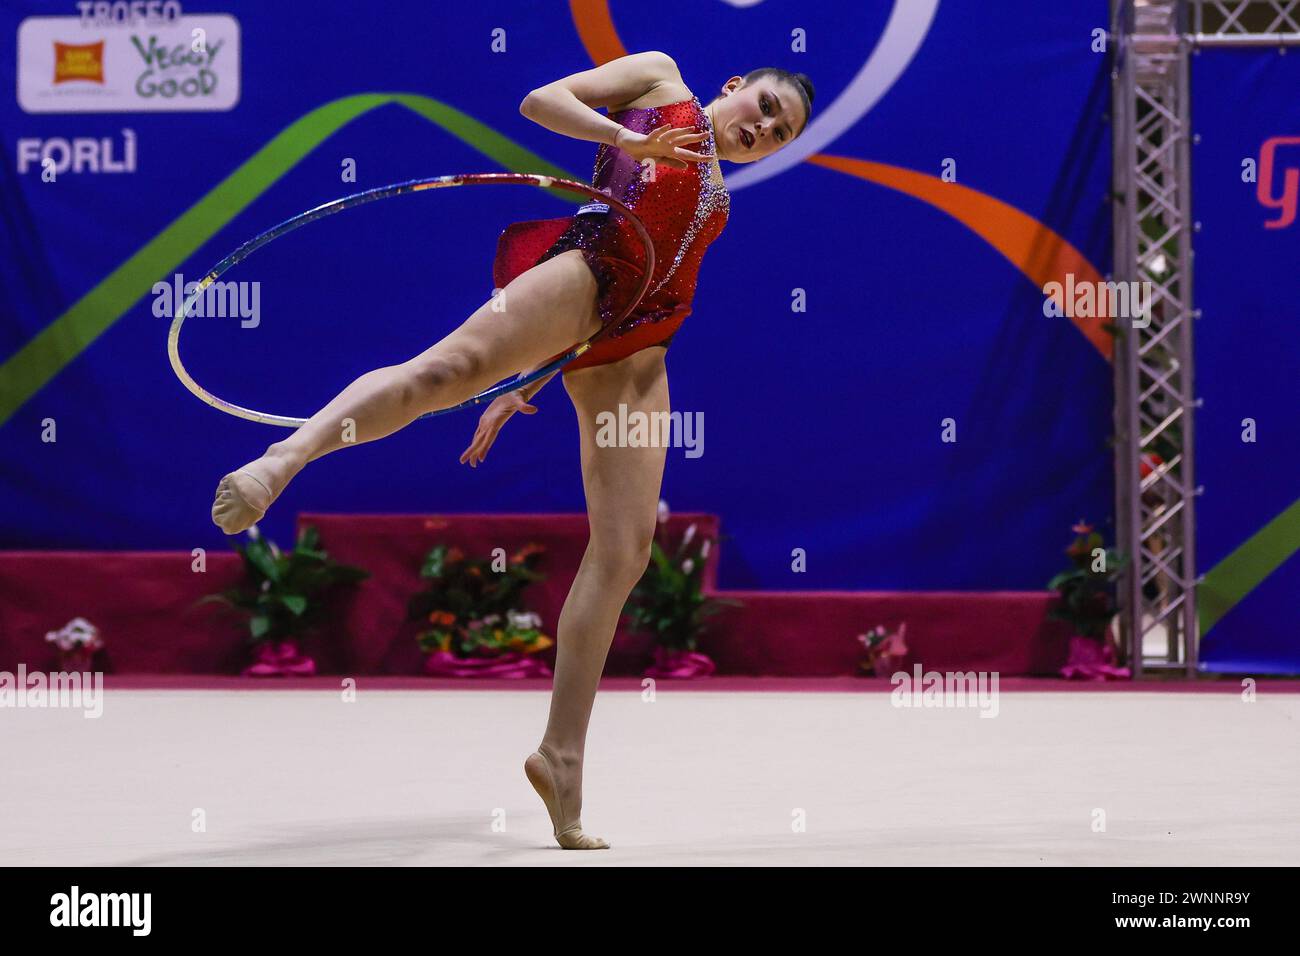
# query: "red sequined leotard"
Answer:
x=683 y=210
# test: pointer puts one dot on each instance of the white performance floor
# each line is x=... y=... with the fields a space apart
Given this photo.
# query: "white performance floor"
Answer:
x=695 y=777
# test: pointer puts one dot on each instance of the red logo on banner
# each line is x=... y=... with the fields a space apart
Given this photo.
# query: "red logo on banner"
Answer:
x=1287 y=202
x=84 y=61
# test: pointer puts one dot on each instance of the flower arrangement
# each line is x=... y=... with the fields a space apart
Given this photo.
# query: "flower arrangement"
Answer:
x=77 y=641
x=669 y=603
x=283 y=596
x=885 y=650
x=472 y=606
x=1086 y=591
x=1086 y=601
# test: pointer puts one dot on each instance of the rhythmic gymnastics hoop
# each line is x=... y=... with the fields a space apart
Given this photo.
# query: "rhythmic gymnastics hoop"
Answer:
x=387 y=192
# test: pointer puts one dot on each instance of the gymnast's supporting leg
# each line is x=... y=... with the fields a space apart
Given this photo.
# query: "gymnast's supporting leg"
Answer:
x=546 y=310
x=622 y=487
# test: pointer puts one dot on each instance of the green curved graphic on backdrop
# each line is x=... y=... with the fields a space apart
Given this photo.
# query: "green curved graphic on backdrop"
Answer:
x=30 y=368
x=1242 y=571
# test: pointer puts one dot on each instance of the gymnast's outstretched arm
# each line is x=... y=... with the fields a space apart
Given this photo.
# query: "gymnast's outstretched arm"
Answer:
x=568 y=106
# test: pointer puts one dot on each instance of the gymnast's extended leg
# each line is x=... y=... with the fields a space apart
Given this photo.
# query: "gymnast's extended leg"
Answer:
x=547 y=309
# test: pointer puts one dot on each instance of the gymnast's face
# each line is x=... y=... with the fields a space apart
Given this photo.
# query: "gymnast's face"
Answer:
x=750 y=122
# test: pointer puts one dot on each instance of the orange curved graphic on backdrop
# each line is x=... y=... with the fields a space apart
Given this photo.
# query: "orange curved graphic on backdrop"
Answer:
x=596 y=30
x=1036 y=250
x=1040 y=253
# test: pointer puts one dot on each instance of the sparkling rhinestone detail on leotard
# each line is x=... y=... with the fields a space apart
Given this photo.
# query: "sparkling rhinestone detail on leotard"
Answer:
x=683 y=211
x=713 y=196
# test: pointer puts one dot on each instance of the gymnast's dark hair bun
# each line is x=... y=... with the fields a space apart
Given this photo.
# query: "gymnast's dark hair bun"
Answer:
x=801 y=79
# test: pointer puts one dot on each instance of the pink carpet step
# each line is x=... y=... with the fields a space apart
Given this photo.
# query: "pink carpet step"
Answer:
x=144 y=606
x=143 y=603
x=814 y=633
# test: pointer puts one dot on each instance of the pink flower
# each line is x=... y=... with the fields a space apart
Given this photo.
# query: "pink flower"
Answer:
x=893 y=644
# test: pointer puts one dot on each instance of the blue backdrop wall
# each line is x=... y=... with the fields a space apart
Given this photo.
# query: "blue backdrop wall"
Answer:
x=1246 y=189
x=823 y=427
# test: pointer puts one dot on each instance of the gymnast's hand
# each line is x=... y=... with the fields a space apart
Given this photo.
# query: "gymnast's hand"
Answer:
x=498 y=411
x=664 y=144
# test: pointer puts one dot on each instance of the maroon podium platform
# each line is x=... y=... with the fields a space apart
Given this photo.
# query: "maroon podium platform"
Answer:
x=143 y=604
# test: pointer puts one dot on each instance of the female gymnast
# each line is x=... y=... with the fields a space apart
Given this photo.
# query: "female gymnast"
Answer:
x=563 y=279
